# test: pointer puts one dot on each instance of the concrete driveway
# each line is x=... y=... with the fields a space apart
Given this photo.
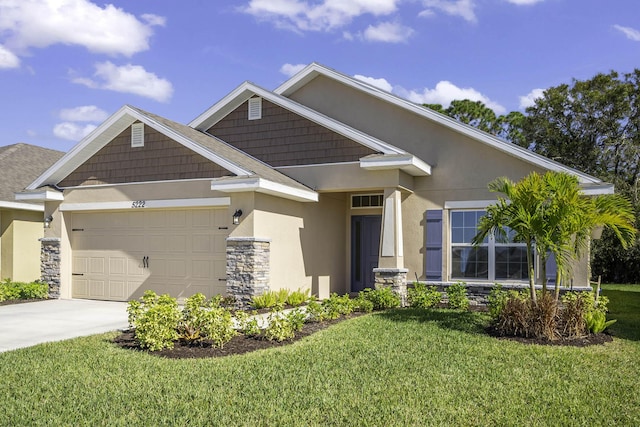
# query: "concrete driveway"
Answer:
x=24 y=325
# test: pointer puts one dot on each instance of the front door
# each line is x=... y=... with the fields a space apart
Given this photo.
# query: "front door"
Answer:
x=365 y=244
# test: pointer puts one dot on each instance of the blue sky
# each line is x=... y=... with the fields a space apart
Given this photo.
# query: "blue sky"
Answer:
x=66 y=65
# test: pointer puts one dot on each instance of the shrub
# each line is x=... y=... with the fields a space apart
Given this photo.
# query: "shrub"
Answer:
x=515 y=315
x=544 y=321
x=337 y=305
x=496 y=300
x=279 y=328
x=315 y=311
x=281 y=296
x=266 y=300
x=20 y=290
x=423 y=296
x=382 y=298
x=247 y=323
x=155 y=320
x=575 y=307
x=457 y=295
x=296 y=318
x=362 y=304
x=201 y=321
x=297 y=298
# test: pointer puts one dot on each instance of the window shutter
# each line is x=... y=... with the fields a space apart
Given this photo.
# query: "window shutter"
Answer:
x=137 y=135
x=552 y=268
x=433 y=249
x=255 y=108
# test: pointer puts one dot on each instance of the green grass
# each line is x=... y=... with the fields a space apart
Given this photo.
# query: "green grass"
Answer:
x=624 y=305
x=402 y=367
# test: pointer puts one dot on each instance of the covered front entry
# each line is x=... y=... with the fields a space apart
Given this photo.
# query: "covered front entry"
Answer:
x=365 y=244
x=117 y=255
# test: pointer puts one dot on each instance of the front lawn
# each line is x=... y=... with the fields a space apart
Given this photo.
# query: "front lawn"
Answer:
x=402 y=367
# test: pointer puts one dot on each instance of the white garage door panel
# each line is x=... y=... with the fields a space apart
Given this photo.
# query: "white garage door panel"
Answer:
x=186 y=252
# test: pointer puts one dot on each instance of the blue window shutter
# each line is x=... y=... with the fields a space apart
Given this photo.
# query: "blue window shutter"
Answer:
x=551 y=269
x=433 y=249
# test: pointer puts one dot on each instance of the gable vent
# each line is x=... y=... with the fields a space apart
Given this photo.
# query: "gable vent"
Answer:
x=255 y=108
x=137 y=135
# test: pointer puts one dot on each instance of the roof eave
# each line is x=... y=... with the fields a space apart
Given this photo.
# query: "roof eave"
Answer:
x=261 y=185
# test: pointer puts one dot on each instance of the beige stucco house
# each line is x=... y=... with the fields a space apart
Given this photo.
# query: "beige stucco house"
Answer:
x=325 y=183
x=21 y=223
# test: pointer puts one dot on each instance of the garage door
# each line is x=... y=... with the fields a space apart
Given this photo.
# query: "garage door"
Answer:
x=119 y=255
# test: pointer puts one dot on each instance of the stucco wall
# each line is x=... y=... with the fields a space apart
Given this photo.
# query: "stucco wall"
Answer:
x=19 y=245
x=308 y=242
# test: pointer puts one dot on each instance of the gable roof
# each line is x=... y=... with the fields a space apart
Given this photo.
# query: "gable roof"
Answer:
x=247 y=90
x=19 y=165
x=264 y=178
x=314 y=70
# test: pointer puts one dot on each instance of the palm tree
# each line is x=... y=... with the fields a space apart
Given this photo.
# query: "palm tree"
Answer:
x=550 y=212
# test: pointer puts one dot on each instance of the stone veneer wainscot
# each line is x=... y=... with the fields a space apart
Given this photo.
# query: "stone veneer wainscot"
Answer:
x=50 y=264
x=247 y=268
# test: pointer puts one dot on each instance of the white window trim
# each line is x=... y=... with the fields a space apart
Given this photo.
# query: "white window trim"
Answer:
x=367 y=207
x=491 y=245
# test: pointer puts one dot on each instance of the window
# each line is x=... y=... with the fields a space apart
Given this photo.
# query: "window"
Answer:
x=361 y=201
x=490 y=260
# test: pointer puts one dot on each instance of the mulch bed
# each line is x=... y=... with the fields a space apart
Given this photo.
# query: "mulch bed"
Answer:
x=591 y=339
x=239 y=344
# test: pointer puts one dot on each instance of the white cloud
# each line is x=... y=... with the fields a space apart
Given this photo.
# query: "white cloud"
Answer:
x=631 y=33
x=326 y=15
x=524 y=2
x=128 y=79
x=291 y=69
x=461 y=8
x=84 y=113
x=109 y=30
x=8 y=59
x=72 y=131
x=388 y=32
x=379 y=83
x=530 y=99
x=445 y=92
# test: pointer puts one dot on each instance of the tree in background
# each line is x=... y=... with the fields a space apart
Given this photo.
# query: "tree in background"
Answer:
x=591 y=125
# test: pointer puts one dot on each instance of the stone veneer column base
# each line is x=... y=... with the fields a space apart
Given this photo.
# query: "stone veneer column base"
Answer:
x=395 y=278
x=247 y=268
x=50 y=264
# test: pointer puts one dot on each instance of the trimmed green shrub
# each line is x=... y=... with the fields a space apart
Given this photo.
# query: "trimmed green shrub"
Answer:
x=247 y=323
x=423 y=296
x=457 y=295
x=155 y=319
x=337 y=305
x=382 y=298
x=362 y=304
x=315 y=311
x=22 y=290
x=297 y=319
x=202 y=320
x=279 y=327
x=496 y=300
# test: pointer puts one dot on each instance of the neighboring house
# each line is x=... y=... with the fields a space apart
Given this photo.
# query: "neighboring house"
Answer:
x=326 y=183
x=21 y=224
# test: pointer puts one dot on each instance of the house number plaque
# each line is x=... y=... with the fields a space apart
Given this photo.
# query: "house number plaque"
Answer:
x=138 y=204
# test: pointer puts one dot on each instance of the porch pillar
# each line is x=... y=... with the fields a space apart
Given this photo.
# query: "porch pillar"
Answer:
x=391 y=271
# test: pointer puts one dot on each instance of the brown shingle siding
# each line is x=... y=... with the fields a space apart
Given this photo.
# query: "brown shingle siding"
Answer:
x=160 y=159
x=283 y=138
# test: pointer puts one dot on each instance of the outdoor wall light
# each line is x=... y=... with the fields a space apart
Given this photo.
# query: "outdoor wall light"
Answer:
x=47 y=221
x=236 y=216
